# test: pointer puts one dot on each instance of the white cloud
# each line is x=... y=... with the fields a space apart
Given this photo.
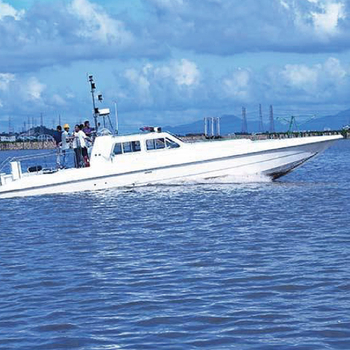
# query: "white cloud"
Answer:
x=327 y=19
x=238 y=85
x=140 y=83
x=58 y=100
x=300 y=76
x=33 y=89
x=7 y=10
x=97 y=25
x=183 y=73
x=326 y=82
x=168 y=4
x=5 y=80
x=186 y=73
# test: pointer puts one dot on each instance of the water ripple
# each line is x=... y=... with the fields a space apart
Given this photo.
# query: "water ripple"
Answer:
x=212 y=266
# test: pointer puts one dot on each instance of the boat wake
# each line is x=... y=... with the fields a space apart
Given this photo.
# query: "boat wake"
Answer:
x=230 y=179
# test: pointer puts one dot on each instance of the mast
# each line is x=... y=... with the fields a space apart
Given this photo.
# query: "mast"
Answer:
x=93 y=88
x=116 y=118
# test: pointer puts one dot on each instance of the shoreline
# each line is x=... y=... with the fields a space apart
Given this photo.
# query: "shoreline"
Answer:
x=36 y=145
x=27 y=145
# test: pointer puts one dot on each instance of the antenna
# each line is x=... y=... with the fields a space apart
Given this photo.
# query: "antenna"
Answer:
x=261 y=123
x=93 y=88
x=272 y=122
x=244 y=121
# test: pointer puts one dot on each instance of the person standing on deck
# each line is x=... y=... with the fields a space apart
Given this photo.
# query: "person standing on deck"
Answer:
x=89 y=133
x=84 y=145
x=57 y=135
x=87 y=130
x=65 y=145
x=79 y=146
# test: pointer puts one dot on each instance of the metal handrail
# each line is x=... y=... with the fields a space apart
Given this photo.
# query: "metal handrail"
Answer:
x=5 y=162
x=27 y=157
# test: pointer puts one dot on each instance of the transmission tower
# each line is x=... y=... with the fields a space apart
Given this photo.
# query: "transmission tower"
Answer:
x=244 y=121
x=261 y=123
x=41 y=124
x=10 y=126
x=272 y=122
x=29 y=127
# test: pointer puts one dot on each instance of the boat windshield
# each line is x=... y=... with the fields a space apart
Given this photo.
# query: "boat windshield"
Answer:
x=171 y=143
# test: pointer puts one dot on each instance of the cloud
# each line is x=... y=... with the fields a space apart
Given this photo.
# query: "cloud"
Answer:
x=24 y=94
x=60 y=33
x=326 y=82
x=238 y=85
x=97 y=25
x=7 y=10
x=63 y=32
x=158 y=87
x=327 y=22
x=5 y=80
x=172 y=92
x=227 y=27
x=175 y=85
x=33 y=89
x=183 y=72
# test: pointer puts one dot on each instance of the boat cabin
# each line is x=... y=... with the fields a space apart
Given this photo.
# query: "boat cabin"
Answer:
x=109 y=147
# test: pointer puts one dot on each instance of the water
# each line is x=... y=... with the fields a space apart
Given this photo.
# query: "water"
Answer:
x=215 y=266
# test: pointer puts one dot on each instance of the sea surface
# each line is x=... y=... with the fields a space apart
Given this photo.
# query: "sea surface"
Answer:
x=194 y=266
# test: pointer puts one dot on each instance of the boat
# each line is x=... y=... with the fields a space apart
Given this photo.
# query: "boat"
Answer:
x=157 y=157
x=160 y=157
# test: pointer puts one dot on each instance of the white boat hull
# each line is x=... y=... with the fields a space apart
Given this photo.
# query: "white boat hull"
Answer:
x=268 y=158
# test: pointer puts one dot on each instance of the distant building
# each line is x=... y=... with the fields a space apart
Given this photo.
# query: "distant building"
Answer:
x=11 y=138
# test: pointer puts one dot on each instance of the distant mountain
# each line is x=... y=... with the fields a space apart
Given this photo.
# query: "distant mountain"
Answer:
x=230 y=124
x=333 y=122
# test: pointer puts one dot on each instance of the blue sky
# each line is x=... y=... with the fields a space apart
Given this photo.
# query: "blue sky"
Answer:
x=168 y=62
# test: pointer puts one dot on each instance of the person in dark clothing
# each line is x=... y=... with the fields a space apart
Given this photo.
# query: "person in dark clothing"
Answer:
x=57 y=135
x=86 y=128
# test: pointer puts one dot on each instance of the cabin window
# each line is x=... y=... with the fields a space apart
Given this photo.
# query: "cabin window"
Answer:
x=149 y=144
x=160 y=143
x=155 y=144
x=127 y=147
x=171 y=144
x=118 y=148
x=136 y=146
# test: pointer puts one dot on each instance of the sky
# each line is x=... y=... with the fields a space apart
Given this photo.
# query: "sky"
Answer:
x=171 y=62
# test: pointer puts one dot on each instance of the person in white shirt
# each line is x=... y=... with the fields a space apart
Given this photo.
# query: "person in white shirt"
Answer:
x=65 y=145
x=79 y=146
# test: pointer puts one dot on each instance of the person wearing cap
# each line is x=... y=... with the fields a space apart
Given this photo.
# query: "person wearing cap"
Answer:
x=65 y=145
